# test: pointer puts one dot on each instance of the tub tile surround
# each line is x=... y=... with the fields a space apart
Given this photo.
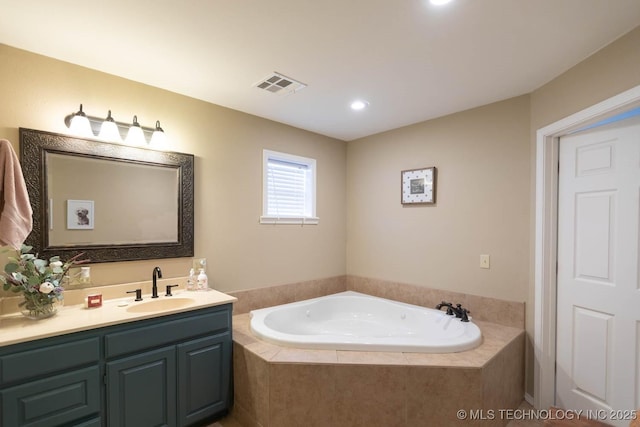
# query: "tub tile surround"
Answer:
x=278 y=386
x=493 y=310
x=281 y=386
x=253 y=299
x=507 y=313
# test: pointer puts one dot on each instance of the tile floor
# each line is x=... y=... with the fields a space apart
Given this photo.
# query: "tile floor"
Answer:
x=524 y=407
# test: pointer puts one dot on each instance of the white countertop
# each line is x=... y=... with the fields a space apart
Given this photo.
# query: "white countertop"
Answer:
x=15 y=328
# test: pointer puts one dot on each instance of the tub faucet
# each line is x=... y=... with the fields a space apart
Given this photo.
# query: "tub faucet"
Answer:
x=448 y=305
x=458 y=311
x=157 y=273
x=461 y=313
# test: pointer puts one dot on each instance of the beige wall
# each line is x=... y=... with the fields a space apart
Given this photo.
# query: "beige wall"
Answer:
x=486 y=188
x=38 y=92
x=482 y=156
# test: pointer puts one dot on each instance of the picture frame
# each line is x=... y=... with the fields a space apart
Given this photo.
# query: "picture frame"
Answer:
x=418 y=186
x=80 y=215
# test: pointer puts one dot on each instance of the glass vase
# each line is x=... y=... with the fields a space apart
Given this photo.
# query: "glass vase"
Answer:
x=39 y=306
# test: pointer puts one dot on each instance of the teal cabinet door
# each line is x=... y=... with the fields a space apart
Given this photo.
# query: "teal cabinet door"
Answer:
x=204 y=378
x=53 y=401
x=141 y=389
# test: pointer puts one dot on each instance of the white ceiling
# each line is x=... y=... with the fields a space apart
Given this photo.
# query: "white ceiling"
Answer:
x=410 y=60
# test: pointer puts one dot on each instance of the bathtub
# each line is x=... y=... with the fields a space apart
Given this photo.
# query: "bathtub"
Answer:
x=354 y=321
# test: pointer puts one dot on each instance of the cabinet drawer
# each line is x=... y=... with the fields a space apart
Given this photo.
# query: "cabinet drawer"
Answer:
x=53 y=401
x=166 y=332
x=48 y=359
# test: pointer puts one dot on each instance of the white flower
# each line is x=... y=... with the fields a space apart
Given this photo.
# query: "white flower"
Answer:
x=55 y=264
x=47 y=287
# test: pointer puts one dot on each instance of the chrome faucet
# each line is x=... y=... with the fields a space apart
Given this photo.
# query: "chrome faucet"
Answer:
x=157 y=273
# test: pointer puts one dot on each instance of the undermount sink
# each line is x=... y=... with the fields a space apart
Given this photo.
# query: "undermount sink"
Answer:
x=160 y=304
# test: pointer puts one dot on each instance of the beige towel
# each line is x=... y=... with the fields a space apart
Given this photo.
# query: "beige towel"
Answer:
x=16 y=219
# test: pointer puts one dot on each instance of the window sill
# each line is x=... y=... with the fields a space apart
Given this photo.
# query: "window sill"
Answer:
x=290 y=220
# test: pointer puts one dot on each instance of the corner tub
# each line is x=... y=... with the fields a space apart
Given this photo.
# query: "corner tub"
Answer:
x=354 y=321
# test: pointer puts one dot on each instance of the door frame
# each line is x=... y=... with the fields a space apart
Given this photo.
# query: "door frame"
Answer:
x=546 y=235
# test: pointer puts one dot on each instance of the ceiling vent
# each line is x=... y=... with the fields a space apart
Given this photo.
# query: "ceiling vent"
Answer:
x=277 y=83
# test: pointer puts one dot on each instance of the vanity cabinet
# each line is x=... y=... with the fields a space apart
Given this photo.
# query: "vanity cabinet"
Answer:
x=175 y=373
x=171 y=370
x=50 y=382
x=141 y=389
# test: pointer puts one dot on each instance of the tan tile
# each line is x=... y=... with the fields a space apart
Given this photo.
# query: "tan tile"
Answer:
x=242 y=417
x=429 y=297
x=494 y=310
x=437 y=394
x=370 y=395
x=371 y=358
x=270 y=296
x=503 y=377
x=308 y=290
x=263 y=349
x=366 y=285
x=467 y=359
x=320 y=287
x=302 y=395
x=243 y=302
x=251 y=384
x=410 y=294
x=507 y=313
x=298 y=355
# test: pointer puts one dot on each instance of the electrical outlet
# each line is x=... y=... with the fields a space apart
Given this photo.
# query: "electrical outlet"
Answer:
x=484 y=261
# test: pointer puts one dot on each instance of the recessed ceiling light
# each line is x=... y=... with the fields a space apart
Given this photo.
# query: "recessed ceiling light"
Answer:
x=359 y=105
x=439 y=2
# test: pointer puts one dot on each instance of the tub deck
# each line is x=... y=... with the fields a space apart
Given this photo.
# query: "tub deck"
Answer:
x=281 y=386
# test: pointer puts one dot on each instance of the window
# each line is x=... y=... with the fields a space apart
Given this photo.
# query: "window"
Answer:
x=289 y=193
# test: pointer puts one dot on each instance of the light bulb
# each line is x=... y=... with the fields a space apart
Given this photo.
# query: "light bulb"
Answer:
x=135 y=136
x=158 y=138
x=80 y=125
x=109 y=130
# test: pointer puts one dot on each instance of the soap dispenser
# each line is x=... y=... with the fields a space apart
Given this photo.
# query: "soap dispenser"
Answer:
x=203 y=281
x=191 y=280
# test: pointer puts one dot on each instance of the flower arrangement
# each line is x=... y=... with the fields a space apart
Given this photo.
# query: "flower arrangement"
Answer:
x=39 y=281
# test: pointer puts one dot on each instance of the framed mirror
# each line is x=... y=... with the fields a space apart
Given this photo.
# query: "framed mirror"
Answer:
x=113 y=202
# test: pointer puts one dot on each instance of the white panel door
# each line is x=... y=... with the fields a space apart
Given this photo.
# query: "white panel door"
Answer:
x=598 y=312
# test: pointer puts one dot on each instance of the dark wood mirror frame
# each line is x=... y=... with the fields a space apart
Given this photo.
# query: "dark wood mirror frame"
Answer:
x=34 y=145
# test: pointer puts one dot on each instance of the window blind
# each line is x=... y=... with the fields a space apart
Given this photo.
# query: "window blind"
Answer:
x=287 y=193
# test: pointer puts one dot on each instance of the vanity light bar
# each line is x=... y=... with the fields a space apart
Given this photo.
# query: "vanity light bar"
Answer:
x=110 y=130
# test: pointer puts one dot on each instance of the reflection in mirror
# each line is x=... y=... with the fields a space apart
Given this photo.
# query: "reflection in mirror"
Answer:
x=112 y=202
x=146 y=194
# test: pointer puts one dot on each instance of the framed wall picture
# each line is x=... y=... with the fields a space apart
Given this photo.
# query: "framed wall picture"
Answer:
x=80 y=214
x=419 y=186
